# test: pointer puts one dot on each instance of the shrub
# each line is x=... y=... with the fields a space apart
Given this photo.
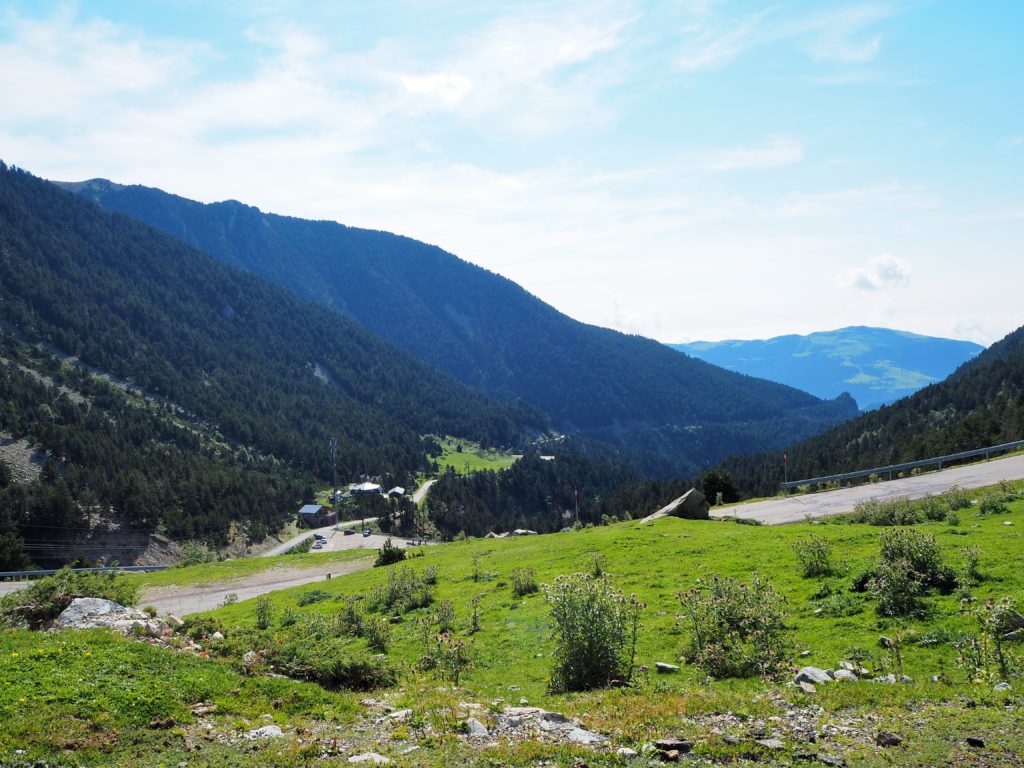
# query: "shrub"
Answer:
x=896 y=511
x=389 y=554
x=598 y=565
x=595 y=632
x=956 y=498
x=264 y=612
x=815 y=557
x=327 y=661
x=200 y=627
x=474 y=625
x=992 y=504
x=313 y=596
x=429 y=575
x=922 y=553
x=909 y=568
x=194 y=553
x=839 y=606
x=377 y=633
x=899 y=589
x=445 y=615
x=971 y=557
x=403 y=591
x=737 y=630
x=933 y=508
x=44 y=599
x=452 y=657
x=989 y=655
x=524 y=581
x=350 y=619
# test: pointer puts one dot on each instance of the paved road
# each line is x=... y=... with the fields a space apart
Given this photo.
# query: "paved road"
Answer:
x=797 y=508
x=422 y=491
x=182 y=601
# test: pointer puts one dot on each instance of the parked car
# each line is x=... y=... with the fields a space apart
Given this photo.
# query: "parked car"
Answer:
x=318 y=545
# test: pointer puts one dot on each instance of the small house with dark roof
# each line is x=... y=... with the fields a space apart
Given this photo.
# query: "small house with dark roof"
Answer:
x=316 y=516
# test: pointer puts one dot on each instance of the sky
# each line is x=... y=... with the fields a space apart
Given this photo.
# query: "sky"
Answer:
x=688 y=170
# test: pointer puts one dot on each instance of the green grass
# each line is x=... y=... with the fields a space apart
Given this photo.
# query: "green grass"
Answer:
x=227 y=570
x=656 y=562
x=471 y=458
x=512 y=653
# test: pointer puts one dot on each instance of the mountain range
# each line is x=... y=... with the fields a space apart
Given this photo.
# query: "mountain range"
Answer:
x=875 y=365
x=979 y=404
x=673 y=413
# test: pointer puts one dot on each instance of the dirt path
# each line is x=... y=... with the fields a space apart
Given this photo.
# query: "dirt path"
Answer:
x=182 y=601
x=793 y=509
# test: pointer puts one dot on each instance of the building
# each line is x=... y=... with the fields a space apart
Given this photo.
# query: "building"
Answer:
x=366 y=487
x=316 y=516
x=397 y=492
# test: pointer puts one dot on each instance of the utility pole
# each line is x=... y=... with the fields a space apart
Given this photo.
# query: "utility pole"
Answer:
x=334 y=470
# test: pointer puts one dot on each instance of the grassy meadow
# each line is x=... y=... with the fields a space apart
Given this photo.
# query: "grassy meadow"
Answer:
x=511 y=656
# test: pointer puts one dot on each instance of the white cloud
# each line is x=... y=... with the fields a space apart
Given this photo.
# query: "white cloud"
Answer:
x=836 y=35
x=881 y=273
x=846 y=202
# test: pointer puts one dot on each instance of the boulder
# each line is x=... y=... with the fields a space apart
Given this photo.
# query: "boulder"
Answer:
x=664 y=668
x=845 y=674
x=267 y=732
x=888 y=739
x=584 y=737
x=691 y=506
x=475 y=729
x=372 y=758
x=92 y=612
x=812 y=675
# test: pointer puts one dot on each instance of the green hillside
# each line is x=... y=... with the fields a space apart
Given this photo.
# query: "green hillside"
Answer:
x=675 y=413
x=107 y=716
x=240 y=382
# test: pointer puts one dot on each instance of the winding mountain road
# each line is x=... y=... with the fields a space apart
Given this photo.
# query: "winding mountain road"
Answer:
x=794 y=509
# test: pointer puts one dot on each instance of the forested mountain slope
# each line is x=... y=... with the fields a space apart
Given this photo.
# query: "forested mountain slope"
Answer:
x=875 y=365
x=980 y=404
x=253 y=365
x=488 y=332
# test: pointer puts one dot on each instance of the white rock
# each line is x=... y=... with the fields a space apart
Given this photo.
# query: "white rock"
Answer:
x=216 y=636
x=626 y=752
x=813 y=675
x=584 y=737
x=267 y=732
x=1002 y=687
x=845 y=674
x=369 y=757
x=476 y=729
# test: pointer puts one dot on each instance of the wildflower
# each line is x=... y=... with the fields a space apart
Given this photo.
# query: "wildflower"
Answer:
x=15 y=654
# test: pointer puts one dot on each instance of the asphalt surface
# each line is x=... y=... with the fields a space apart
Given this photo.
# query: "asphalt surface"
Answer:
x=794 y=509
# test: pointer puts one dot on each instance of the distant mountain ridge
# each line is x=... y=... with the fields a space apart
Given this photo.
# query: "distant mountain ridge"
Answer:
x=979 y=404
x=875 y=365
x=678 y=412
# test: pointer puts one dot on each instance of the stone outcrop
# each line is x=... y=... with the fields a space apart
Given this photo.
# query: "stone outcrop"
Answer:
x=94 y=612
x=691 y=506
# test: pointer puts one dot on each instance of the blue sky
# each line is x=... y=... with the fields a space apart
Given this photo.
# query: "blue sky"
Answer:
x=684 y=170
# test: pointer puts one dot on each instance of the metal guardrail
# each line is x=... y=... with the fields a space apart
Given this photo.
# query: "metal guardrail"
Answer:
x=52 y=571
x=939 y=460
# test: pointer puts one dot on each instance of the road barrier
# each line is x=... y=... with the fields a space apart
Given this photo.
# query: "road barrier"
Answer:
x=911 y=465
x=51 y=571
